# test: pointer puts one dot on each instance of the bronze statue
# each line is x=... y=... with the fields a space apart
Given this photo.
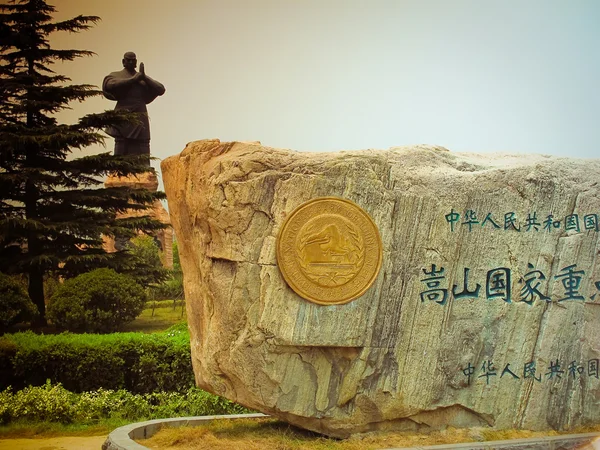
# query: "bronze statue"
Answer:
x=133 y=91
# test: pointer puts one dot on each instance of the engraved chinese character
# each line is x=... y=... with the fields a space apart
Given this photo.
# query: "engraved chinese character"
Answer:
x=510 y=221
x=593 y=367
x=488 y=370
x=529 y=371
x=575 y=369
x=433 y=281
x=532 y=222
x=572 y=222
x=550 y=223
x=470 y=219
x=532 y=279
x=466 y=292
x=452 y=218
x=554 y=370
x=498 y=284
x=597 y=285
x=590 y=222
x=489 y=218
x=571 y=280
x=510 y=372
x=468 y=371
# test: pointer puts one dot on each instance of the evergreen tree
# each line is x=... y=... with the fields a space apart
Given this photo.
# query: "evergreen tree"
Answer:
x=147 y=267
x=54 y=210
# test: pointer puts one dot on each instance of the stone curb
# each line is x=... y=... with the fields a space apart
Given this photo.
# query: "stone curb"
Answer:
x=123 y=438
x=586 y=441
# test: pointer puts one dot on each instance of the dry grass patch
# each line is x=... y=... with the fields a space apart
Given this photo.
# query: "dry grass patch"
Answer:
x=272 y=434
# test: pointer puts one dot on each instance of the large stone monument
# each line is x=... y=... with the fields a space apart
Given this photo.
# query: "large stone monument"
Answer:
x=474 y=300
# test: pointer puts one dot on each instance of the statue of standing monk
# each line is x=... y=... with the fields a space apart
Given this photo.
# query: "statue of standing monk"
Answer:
x=132 y=90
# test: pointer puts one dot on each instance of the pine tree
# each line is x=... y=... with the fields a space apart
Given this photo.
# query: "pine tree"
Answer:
x=54 y=210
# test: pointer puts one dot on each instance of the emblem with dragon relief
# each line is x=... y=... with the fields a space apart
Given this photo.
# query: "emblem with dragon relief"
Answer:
x=329 y=251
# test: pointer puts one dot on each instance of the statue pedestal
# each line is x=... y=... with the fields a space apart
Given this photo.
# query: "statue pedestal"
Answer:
x=148 y=181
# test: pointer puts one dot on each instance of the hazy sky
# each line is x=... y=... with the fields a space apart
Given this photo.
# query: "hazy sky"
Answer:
x=321 y=75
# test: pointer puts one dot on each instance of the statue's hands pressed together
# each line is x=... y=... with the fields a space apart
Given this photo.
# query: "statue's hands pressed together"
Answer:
x=139 y=76
x=132 y=91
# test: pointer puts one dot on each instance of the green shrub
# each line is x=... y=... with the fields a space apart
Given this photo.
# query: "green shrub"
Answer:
x=15 y=305
x=51 y=284
x=97 y=301
x=8 y=350
x=137 y=362
x=53 y=403
x=46 y=403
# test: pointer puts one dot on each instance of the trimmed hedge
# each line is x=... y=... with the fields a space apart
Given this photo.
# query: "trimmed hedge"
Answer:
x=139 y=363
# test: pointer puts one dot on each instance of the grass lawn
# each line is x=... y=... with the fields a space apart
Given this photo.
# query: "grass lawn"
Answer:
x=158 y=318
x=31 y=430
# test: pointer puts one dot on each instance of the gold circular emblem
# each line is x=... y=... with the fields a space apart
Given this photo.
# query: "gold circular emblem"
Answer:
x=329 y=251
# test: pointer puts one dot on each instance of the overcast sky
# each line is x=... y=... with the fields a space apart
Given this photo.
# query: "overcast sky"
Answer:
x=322 y=75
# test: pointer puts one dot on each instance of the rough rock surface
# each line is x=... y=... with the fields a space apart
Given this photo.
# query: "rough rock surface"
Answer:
x=414 y=351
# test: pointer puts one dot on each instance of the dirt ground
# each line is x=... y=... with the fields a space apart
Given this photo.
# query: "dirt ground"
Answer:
x=86 y=443
x=57 y=443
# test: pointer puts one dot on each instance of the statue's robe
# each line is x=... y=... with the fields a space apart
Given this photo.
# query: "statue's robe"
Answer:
x=131 y=97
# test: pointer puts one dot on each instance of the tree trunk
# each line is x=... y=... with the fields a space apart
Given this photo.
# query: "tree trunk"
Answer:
x=36 y=274
x=36 y=294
